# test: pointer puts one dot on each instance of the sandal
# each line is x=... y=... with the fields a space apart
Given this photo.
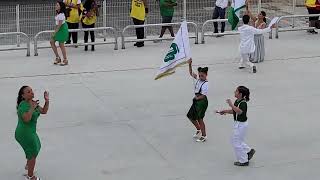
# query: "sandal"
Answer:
x=57 y=61
x=64 y=62
x=32 y=178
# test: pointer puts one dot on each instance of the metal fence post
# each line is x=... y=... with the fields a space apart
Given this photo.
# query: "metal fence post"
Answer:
x=259 y=5
x=104 y=19
x=185 y=10
x=18 y=23
x=294 y=3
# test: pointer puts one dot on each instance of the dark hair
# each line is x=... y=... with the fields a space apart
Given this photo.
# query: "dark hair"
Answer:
x=88 y=5
x=20 y=93
x=62 y=7
x=203 y=70
x=245 y=92
x=246 y=19
x=264 y=14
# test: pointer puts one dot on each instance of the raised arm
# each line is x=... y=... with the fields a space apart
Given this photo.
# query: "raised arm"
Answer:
x=261 y=31
x=190 y=69
x=45 y=108
x=248 y=12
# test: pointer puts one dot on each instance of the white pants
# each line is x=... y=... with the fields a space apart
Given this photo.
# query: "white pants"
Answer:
x=244 y=61
x=240 y=147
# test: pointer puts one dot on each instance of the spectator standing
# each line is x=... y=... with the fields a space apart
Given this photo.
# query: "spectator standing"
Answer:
x=73 y=18
x=139 y=9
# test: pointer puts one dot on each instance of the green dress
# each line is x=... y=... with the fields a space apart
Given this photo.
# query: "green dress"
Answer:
x=25 y=133
x=63 y=34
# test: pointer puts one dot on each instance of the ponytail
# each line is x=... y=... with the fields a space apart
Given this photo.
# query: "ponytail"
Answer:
x=245 y=92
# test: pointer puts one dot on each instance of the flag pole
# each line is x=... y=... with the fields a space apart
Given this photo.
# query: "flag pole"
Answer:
x=185 y=10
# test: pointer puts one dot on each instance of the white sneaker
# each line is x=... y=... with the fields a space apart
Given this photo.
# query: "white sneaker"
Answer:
x=197 y=135
x=32 y=178
x=202 y=139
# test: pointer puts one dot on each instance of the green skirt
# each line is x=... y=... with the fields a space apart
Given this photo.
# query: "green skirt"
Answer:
x=63 y=34
x=29 y=142
x=198 y=109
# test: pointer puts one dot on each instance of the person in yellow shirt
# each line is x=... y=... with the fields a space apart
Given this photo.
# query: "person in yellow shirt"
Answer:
x=313 y=7
x=139 y=9
x=73 y=18
x=89 y=19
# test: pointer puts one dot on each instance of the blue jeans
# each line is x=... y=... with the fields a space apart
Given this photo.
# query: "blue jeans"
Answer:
x=219 y=13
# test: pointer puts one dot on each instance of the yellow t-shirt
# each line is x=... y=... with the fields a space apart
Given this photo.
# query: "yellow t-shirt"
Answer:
x=138 y=10
x=74 y=13
x=90 y=20
x=310 y=3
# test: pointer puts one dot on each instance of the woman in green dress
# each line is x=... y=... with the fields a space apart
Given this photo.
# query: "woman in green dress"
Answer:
x=28 y=111
x=200 y=102
x=60 y=34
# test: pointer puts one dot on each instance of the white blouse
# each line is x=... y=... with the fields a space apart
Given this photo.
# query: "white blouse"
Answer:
x=60 y=17
x=204 y=85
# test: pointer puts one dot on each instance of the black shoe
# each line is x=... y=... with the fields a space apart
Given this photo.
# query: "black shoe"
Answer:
x=241 y=67
x=241 y=164
x=254 y=69
x=86 y=48
x=92 y=48
x=136 y=44
x=140 y=45
x=68 y=42
x=251 y=153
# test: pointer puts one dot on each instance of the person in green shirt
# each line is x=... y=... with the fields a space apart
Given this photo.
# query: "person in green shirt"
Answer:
x=167 y=12
x=239 y=110
x=28 y=111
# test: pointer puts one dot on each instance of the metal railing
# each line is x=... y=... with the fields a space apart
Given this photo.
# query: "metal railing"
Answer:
x=18 y=48
x=78 y=44
x=278 y=29
x=203 y=30
x=123 y=41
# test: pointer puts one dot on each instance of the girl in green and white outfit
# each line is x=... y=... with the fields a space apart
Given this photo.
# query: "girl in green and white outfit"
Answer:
x=60 y=34
x=200 y=102
x=239 y=111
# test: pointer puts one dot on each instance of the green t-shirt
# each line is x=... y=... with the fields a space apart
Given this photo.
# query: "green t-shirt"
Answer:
x=242 y=104
x=32 y=124
x=166 y=10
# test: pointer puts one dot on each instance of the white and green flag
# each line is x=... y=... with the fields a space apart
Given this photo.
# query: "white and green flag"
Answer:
x=178 y=54
x=234 y=12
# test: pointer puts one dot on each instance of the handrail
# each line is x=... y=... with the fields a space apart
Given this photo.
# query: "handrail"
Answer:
x=293 y=29
x=78 y=44
x=219 y=34
x=18 y=48
x=152 y=39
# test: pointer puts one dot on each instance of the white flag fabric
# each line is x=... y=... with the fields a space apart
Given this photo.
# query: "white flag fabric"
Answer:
x=273 y=22
x=178 y=54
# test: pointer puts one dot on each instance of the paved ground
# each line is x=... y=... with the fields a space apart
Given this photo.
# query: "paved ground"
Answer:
x=109 y=119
